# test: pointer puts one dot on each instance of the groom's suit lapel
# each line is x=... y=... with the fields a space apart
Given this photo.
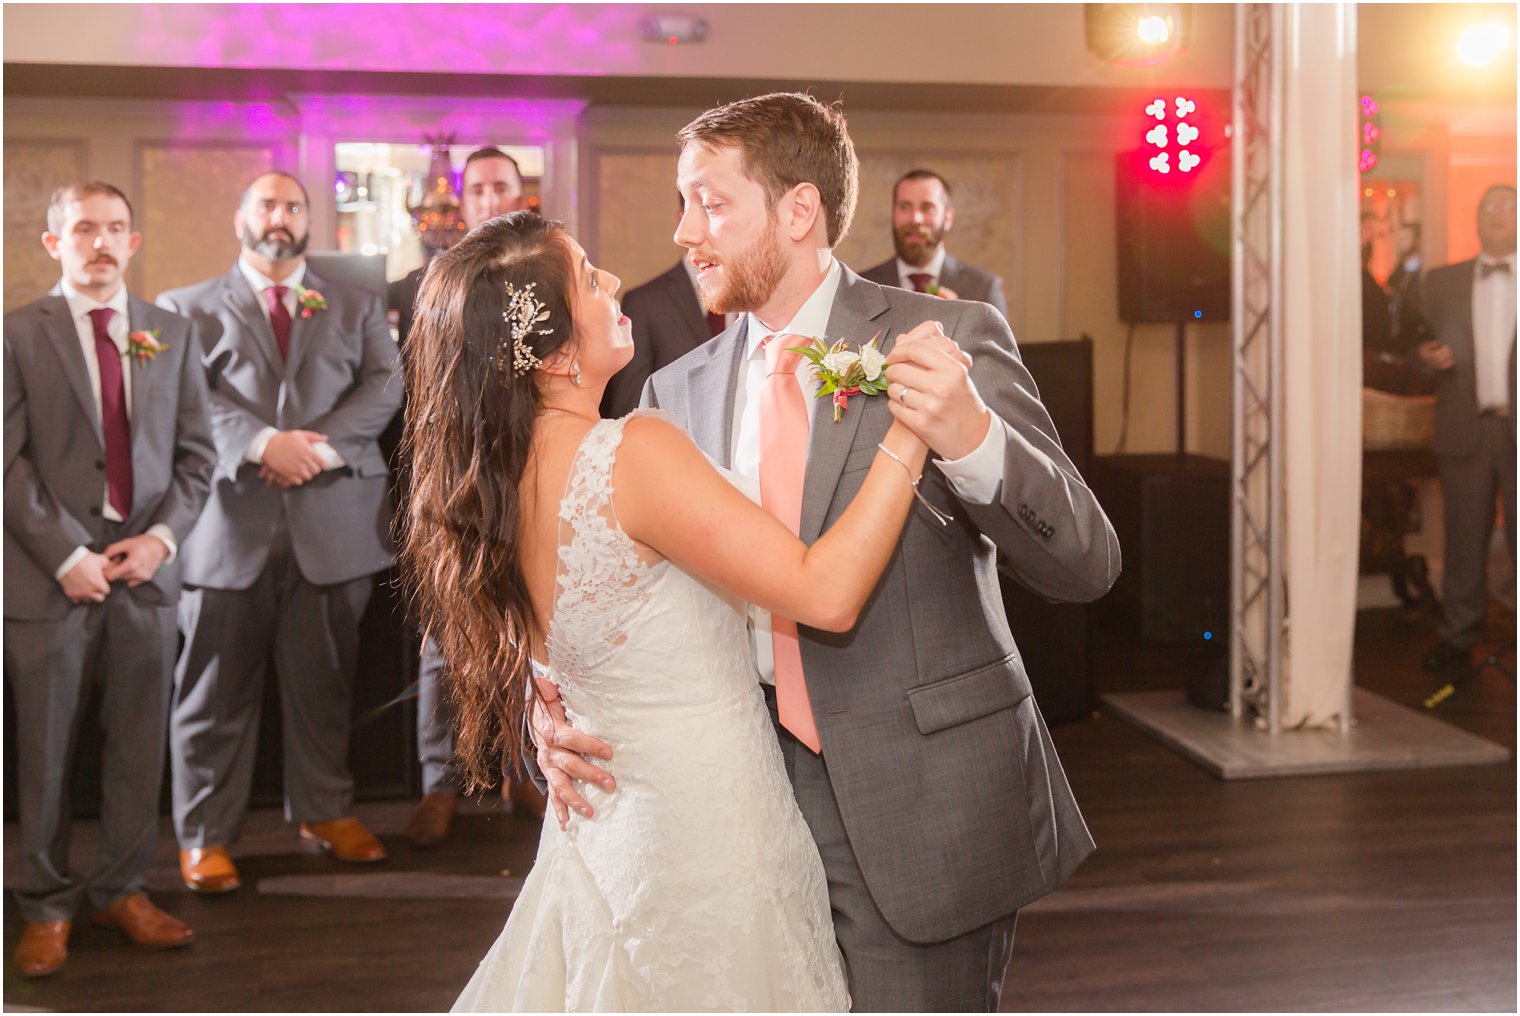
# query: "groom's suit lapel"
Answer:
x=712 y=420
x=859 y=312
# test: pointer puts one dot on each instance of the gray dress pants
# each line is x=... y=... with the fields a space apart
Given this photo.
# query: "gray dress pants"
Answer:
x=435 y=726
x=1470 y=485
x=886 y=972
x=124 y=649
x=312 y=634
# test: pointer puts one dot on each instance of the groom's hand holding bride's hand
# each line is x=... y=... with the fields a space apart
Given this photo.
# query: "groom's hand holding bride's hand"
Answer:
x=933 y=394
x=560 y=754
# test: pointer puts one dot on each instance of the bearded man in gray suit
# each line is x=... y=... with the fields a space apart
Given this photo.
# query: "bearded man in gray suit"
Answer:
x=922 y=215
x=108 y=459
x=302 y=377
x=922 y=764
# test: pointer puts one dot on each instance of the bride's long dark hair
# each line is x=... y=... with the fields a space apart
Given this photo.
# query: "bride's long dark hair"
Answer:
x=469 y=432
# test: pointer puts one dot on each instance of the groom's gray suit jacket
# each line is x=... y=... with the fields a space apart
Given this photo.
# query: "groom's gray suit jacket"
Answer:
x=946 y=778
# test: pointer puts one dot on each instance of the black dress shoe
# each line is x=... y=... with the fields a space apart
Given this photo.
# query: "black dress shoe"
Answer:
x=1444 y=655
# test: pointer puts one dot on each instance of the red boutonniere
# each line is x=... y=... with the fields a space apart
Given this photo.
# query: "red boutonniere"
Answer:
x=144 y=345
x=310 y=301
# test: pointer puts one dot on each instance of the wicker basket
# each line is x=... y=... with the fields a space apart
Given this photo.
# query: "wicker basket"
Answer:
x=1397 y=421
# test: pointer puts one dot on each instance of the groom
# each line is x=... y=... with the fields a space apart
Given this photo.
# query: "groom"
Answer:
x=918 y=758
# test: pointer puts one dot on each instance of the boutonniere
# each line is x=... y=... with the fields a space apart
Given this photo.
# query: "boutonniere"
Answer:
x=843 y=372
x=310 y=301
x=144 y=345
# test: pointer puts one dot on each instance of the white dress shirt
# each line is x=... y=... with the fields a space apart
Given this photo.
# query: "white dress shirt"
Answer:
x=935 y=267
x=1493 y=331
x=974 y=477
x=80 y=306
x=260 y=283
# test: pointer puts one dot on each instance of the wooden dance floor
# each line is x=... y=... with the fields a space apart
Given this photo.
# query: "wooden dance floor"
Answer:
x=1390 y=891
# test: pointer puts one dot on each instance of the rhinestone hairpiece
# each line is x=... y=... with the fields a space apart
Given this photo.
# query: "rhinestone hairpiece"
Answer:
x=524 y=310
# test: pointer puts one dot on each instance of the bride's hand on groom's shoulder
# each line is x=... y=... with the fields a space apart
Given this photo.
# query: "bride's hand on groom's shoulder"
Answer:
x=560 y=754
x=933 y=394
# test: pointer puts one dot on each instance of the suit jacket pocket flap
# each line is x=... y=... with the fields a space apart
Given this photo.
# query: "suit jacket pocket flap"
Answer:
x=965 y=697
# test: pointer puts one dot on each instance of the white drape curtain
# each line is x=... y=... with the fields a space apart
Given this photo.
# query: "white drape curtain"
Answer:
x=1322 y=359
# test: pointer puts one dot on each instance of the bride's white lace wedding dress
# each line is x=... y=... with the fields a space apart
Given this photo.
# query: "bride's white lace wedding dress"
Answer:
x=696 y=886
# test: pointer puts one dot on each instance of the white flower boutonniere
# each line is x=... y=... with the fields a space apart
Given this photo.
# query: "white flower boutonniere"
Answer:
x=843 y=372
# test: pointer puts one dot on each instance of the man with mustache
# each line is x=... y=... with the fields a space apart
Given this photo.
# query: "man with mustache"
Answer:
x=915 y=748
x=922 y=215
x=491 y=184
x=108 y=459
x=302 y=376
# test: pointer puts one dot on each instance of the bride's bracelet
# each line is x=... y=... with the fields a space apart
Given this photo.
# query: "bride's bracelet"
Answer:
x=944 y=519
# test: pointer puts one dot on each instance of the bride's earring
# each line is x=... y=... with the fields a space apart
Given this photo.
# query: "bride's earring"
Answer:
x=575 y=365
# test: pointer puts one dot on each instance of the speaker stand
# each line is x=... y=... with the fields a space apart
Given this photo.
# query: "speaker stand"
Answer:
x=1181 y=360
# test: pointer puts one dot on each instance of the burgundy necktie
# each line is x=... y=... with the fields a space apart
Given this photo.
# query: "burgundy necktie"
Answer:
x=920 y=281
x=279 y=319
x=716 y=322
x=113 y=414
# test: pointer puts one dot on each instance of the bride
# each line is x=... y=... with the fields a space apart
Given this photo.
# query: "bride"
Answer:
x=614 y=556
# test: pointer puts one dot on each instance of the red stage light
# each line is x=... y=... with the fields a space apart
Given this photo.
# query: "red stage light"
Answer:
x=1189 y=130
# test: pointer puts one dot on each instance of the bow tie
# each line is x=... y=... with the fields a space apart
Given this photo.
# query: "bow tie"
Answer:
x=1487 y=268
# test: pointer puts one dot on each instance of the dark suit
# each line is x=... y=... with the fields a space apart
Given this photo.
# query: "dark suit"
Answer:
x=968 y=281
x=281 y=573
x=1475 y=453
x=939 y=806
x=668 y=322
x=58 y=652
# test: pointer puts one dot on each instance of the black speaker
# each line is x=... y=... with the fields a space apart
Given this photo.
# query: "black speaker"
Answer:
x=1174 y=240
x=1172 y=516
x=1055 y=639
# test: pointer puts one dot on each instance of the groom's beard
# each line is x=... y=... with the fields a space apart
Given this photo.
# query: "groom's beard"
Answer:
x=747 y=281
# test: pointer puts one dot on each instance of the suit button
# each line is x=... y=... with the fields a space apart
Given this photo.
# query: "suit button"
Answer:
x=100 y=464
x=95 y=510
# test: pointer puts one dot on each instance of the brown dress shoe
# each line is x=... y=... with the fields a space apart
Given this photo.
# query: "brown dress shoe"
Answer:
x=208 y=870
x=430 y=822
x=526 y=795
x=145 y=924
x=344 y=838
x=43 y=947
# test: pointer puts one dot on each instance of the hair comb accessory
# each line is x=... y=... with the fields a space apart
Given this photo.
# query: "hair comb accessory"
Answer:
x=524 y=310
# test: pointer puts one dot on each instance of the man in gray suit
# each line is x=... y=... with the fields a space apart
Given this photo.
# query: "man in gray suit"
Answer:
x=668 y=322
x=108 y=459
x=922 y=215
x=302 y=377
x=930 y=784
x=1470 y=308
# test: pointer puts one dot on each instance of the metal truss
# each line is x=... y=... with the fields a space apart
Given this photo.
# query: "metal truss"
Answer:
x=1257 y=528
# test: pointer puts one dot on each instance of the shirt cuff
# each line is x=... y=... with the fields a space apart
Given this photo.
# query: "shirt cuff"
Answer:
x=976 y=476
x=165 y=534
x=255 y=452
x=330 y=458
x=70 y=561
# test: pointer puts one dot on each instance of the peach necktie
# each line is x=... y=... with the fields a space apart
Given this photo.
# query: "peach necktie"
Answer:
x=783 y=466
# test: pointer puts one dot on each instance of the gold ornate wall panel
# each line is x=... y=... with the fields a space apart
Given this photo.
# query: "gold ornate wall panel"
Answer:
x=637 y=207
x=189 y=192
x=33 y=169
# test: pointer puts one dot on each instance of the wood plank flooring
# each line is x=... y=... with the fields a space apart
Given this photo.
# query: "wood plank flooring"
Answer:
x=1386 y=891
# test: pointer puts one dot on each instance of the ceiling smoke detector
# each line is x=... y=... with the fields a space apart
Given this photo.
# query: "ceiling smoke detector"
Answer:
x=674 y=29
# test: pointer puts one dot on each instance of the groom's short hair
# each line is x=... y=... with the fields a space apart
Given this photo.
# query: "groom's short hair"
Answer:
x=787 y=138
